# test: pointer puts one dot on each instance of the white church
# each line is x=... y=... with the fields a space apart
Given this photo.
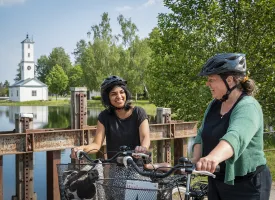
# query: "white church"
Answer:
x=28 y=88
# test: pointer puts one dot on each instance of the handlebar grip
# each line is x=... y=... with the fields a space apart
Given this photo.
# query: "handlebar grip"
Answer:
x=218 y=168
x=80 y=154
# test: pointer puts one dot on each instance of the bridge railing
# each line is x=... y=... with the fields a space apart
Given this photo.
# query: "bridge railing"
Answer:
x=24 y=141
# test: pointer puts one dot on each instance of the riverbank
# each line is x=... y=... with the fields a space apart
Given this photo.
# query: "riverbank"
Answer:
x=149 y=108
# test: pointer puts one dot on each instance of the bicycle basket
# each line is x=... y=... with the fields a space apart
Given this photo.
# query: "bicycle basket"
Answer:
x=131 y=189
x=77 y=181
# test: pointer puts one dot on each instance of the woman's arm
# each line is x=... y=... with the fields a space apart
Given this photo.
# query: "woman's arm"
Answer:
x=144 y=135
x=220 y=153
x=95 y=145
x=196 y=153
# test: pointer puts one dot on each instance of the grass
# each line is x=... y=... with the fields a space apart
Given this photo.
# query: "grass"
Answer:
x=271 y=162
x=51 y=102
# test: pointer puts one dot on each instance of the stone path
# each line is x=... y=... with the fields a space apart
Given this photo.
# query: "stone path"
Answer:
x=272 y=194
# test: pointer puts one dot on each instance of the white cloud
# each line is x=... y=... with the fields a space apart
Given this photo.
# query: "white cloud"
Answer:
x=151 y=2
x=10 y=2
x=123 y=8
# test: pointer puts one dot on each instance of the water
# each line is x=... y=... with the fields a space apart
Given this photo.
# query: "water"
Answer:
x=44 y=117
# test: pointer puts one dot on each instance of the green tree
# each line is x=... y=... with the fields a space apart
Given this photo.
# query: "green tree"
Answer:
x=100 y=57
x=57 y=80
x=18 y=74
x=103 y=30
x=42 y=68
x=106 y=54
x=75 y=76
x=80 y=48
x=194 y=31
x=135 y=56
x=58 y=56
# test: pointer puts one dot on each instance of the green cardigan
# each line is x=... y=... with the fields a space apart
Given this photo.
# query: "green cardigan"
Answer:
x=245 y=135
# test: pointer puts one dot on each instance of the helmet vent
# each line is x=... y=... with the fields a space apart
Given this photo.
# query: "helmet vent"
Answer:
x=232 y=58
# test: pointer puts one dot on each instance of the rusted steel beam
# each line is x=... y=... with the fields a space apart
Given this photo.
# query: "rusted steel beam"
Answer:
x=24 y=163
x=47 y=140
x=1 y=177
x=53 y=158
x=180 y=146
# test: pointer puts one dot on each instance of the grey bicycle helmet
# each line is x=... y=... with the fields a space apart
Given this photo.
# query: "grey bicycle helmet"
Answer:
x=107 y=85
x=224 y=62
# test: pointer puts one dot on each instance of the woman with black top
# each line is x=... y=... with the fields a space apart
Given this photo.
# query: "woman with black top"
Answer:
x=231 y=134
x=121 y=123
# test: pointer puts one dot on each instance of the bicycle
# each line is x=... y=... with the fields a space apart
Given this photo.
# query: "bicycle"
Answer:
x=77 y=181
x=159 y=187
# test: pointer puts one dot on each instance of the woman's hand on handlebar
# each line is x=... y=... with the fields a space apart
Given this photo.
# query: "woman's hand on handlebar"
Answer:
x=74 y=152
x=140 y=149
x=207 y=164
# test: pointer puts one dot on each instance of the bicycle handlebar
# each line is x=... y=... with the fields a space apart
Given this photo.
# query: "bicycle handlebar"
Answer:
x=80 y=154
x=125 y=156
x=189 y=169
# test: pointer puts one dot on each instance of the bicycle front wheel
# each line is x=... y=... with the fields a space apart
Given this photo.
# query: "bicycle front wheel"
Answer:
x=178 y=193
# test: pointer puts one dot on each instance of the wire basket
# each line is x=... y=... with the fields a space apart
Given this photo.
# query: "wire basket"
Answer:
x=77 y=181
x=131 y=189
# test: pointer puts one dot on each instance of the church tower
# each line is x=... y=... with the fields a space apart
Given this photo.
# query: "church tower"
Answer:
x=27 y=62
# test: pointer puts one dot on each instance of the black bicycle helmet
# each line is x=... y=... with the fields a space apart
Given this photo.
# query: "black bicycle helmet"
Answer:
x=112 y=80
x=107 y=85
x=224 y=62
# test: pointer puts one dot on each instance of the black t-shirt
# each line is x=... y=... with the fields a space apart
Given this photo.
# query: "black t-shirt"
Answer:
x=215 y=127
x=121 y=132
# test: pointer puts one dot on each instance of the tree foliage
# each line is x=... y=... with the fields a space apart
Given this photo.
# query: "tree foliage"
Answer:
x=75 y=76
x=57 y=80
x=195 y=30
x=18 y=74
x=45 y=64
x=42 y=68
x=4 y=88
x=107 y=54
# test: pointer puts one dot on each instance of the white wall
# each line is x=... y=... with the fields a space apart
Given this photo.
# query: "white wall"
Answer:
x=25 y=93
x=27 y=51
x=13 y=94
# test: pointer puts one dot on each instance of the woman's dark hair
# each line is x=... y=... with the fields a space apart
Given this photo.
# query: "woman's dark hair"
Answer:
x=244 y=83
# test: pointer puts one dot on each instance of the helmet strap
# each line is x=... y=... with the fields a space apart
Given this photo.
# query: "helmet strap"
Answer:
x=229 y=90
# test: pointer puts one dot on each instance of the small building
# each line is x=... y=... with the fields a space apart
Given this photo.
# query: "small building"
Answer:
x=28 y=88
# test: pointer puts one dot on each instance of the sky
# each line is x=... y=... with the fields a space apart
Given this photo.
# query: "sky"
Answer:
x=62 y=23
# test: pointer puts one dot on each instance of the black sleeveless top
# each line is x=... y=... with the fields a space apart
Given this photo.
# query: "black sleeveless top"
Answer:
x=215 y=127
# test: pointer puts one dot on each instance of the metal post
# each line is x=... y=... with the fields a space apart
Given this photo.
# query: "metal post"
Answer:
x=79 y=111
x=164 y=146
x=78 y=107
x=24 y=162
x=53 y=158
x=1 y=177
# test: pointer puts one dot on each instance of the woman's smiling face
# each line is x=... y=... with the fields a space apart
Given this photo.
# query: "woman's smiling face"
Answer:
x=117 y=97
x=216 y=85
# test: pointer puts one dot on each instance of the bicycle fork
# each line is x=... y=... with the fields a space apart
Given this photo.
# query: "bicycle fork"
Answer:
x=187 y=193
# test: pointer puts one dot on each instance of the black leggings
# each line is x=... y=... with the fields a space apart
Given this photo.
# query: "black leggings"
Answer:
x=256 y=187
